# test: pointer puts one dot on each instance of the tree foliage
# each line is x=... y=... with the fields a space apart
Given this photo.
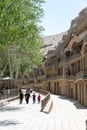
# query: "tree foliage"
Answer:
x=20 y=34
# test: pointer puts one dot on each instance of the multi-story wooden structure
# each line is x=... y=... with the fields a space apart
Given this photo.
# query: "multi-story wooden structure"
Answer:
x=65 y=67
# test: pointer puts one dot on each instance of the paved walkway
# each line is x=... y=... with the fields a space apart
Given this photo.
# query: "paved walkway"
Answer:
x=66 y=114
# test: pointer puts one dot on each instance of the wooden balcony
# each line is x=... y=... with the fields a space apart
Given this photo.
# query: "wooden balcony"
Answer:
x=70 y=58
x=54 y=64
x=54 y=76
x=81 y=74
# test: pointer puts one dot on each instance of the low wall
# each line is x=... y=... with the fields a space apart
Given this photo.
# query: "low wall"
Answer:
x=46 y=98
x=13 y=98
x=45 y=101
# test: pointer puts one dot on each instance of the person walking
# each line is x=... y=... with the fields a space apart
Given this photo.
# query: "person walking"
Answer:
x=34 y=98
x=21 y=96
x=27 y=96
x=39 y=98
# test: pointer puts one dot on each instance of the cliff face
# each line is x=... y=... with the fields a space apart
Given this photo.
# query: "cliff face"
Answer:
x=50 y=42
x=80 y=22
x=78 y=28
x=76 y=33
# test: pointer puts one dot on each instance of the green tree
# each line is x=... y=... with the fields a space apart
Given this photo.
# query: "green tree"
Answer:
x=20 y=34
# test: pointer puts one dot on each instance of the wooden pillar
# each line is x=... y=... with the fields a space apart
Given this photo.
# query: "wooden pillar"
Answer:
x=81 y=65
x=74 y=91
x=79 y=92
x=75 y=69
x=77 y=66
x=82 y=87
x=85 y=93
x=70 y=69
x=85 y=61
x=63 y=72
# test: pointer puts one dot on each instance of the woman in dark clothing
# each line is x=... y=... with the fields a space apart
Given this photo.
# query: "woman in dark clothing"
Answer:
x=34 y=97
x=27 y=95
x=21 y=97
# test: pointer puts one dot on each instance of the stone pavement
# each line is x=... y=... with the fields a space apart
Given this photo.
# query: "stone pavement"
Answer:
x=66 y=114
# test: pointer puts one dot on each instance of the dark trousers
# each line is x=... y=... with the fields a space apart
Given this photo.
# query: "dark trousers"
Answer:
x=21 y=101
x=27 y=100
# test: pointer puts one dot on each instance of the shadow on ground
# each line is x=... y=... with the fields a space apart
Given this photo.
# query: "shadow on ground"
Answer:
x=8 y=122
x=75 y=102
x=79 y=106
x=9 y=108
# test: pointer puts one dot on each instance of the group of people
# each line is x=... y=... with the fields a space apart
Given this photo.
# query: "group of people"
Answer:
x=29 y=94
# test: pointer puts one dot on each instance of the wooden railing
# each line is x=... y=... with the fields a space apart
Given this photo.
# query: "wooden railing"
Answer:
x=81 y=74
x=55 y=76
x=72 y=57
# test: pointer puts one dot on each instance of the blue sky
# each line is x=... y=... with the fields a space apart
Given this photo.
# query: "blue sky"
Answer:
x=59 y=14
